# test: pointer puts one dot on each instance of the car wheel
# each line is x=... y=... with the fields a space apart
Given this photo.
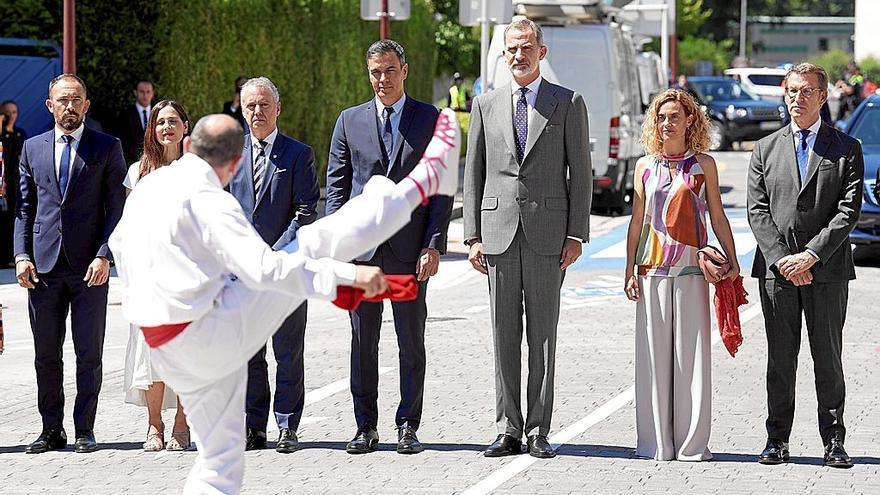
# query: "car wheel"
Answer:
x=717 y=139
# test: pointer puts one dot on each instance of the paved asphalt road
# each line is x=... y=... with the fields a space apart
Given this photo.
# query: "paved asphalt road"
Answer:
x=593 y=419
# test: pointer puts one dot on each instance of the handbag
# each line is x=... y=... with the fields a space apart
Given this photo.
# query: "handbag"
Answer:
x=713 y=263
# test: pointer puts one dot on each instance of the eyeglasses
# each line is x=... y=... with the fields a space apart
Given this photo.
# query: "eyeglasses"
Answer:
x=806 y=91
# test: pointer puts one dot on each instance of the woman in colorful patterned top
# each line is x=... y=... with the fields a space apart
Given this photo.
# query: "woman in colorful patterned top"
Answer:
x=676 y=184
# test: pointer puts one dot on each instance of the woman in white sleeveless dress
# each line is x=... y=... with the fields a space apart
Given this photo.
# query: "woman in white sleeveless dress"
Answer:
x=163 y=143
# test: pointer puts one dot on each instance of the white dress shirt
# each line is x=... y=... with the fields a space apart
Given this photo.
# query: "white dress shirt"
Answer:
x=180 y=239
x=140 y=110
x=255 y=145
x=531 y=95
x=59 y=148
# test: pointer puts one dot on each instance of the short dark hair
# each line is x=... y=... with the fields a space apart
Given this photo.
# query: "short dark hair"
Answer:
x=214 y=142
x=8 y=102
x=64 y=76
x=382 y=47
x=143 y=81
x=808 y=68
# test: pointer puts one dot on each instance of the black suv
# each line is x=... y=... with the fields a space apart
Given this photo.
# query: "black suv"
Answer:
x=734 y=113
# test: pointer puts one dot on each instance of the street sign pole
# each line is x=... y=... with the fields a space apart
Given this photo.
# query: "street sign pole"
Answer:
x=484 y=40
x=384 y=22
x=68 y=61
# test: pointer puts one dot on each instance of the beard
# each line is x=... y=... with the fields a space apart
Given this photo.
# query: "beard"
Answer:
x=70 y=122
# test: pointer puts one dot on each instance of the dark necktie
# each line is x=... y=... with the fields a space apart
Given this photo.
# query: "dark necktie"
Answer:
x=64 y=168
x=388 y=137
x=259 y=167
x=803 y=154
x=521 y=123
x=144 y=113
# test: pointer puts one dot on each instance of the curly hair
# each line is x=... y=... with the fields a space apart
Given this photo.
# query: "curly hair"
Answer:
x=697 y=134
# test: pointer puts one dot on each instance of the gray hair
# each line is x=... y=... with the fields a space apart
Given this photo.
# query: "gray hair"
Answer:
x=521 y=23
x=217 y=139
x=808 y=68
x=61 y=77
x=265 y=83
x=382 y=47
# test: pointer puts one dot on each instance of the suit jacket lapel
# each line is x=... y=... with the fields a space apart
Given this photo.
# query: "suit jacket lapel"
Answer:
x=400 y=137
x=83 y=153
x=789 y=159
x=47 y=165
x=370 y=119
x=820 y=146
x=247 y=173
x=270 y=169
x=506 y=109
x=545 y=105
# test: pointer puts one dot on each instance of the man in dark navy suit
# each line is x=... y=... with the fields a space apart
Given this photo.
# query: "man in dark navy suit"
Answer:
x=71 y=199
x=277 y=187
x=134 y=120
x=388 y=135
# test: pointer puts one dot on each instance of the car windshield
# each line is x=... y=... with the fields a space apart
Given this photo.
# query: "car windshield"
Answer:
x=725 y=90
x=866 y=128
x=774 y=80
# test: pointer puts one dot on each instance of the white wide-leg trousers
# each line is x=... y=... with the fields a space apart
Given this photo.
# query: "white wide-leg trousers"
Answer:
x=673 y=391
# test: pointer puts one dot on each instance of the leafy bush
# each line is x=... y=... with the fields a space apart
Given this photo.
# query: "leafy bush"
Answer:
x=313 y=50
x=692 y=50
x=834 y=62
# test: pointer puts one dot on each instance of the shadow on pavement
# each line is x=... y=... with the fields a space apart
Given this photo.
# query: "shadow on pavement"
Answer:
x=19 y=449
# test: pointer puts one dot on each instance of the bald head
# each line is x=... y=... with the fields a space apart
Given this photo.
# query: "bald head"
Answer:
x=218 y=139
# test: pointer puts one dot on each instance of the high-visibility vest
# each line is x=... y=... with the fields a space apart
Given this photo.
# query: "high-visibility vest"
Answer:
x=457 y=98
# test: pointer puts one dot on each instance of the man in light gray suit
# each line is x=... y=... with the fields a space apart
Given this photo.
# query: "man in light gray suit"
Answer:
x=527 y=194
x=804 y=198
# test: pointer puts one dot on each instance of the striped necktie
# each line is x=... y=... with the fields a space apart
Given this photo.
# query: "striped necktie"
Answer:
x=259 y=167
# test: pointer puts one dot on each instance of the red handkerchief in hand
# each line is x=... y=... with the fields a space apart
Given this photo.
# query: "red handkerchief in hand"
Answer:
x=729 y=296
x=400 y=288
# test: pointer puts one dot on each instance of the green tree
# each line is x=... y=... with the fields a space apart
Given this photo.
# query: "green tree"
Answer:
x=693 y=49
x=690 y=15
x=458 y=47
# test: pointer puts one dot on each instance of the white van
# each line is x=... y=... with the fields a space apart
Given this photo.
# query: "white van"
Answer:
x=598 y=61
x=765 y=82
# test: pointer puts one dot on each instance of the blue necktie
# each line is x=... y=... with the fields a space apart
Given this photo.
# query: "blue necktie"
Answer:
x=388 y=137
x=803 y=154
x=521 y=123
x=64 y=169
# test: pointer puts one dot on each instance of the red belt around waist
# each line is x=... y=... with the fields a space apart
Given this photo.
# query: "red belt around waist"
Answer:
x=156 y=336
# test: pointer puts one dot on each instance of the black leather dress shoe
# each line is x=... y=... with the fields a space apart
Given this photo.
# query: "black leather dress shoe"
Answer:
x=255 y=440
x=48 y=440
x=85 y=442
x=835 y=455
x=776 y=452
x=504 y=445
x=540 y=447
x=287 y=441
x=407 y=441
x=364 y=441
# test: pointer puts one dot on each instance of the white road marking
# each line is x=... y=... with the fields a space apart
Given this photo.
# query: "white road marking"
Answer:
x=476 y=309
x=326 y=391
x=522 y=462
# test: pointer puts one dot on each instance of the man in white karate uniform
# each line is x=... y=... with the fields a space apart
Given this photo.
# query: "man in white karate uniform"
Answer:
x=208 y=292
